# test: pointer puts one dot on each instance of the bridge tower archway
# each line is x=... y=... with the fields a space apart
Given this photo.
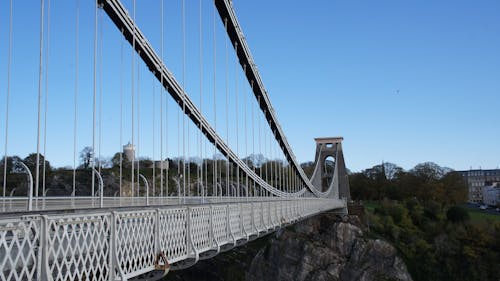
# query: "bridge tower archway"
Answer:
x=330 y=168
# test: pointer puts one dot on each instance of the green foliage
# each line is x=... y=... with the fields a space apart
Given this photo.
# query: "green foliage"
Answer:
x=308 y=168
x=457 y=214
x=478 y=216
x=30 y=161
x=439 y=243
x=432 y=210
x=426 y=182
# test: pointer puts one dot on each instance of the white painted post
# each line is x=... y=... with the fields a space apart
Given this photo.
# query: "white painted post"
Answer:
x=157 y=232
x=101 y=188
x=30 y=185
x=112 y=247
x=44 y=244
x=147 y=188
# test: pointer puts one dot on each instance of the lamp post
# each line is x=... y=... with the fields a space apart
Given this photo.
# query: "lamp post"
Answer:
x=30 y=185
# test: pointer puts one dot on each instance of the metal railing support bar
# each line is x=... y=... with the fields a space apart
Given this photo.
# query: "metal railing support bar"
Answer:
x=115 y=247
x=112 y=246
x=44 y=270
x=253 y=220
x=190 y=235
x=157 y=232
x=212 y=230
x=228 y=223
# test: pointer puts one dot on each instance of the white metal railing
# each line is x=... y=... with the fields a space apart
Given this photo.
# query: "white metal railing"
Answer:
x=110 y=245
x=76 y=247
x=52 y=203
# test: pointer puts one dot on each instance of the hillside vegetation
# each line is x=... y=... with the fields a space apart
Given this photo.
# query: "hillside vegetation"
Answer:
x=420 y=213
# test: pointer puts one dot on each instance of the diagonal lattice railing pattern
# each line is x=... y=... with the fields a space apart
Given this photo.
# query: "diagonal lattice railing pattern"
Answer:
x=173 y=233
x=200 y=231
x=104 y=245
x=247 y=217
x=220 y=226
x=135 y=241
x=234 y=221
x=19 y=249
x=127 y=237
x=78 y=247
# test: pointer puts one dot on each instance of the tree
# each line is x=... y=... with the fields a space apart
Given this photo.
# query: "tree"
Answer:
x=308 y=168
x=391 y=170
x=249 y=161
x=86 y=157
x=457 y=214
x=145 y=163
x=256 y=159
x=13 y=165
x=455 y=188
x=115 y=160
x=378 y=180
x=360 y=187
x=429 y=171
x=30 y=161
x=375 y=173
x=104 y=162
x=329 y=165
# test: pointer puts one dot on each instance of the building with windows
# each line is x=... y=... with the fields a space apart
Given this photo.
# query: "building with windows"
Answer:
x=477 y=179
x=491 y=195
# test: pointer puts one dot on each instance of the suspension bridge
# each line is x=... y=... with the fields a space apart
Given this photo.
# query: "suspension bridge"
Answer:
x=201 y=163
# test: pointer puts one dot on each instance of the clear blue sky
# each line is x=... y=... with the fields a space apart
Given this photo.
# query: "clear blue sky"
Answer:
x=401 y=81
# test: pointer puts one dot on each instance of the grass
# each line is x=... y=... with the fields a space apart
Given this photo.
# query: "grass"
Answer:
x=479 y=216
x=475 y=214
x=370 y=205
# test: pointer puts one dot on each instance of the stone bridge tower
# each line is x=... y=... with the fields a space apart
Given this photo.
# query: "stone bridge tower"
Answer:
x=330 y=168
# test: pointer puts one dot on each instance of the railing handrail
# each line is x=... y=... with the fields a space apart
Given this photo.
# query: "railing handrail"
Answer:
x=114 y=235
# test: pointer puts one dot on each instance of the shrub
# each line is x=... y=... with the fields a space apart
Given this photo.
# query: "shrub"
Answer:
x=457 y=214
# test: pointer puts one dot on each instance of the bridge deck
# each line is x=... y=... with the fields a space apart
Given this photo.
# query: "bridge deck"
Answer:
x=16 y=205
x=118 y=238
x=110 y=244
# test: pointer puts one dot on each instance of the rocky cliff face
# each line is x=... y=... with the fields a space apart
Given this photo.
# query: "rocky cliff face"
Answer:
x=325 y=247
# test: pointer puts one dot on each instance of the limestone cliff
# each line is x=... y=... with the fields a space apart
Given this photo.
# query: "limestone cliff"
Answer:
x=325 y=247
